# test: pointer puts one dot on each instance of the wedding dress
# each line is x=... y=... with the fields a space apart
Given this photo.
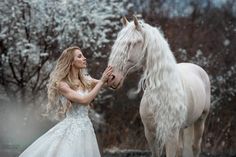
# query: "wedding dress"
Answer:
x=72 y=137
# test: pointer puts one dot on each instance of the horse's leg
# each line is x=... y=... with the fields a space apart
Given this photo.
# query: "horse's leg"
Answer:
x=188 y=141
x=147 y=117
x=181 y=144
x=151 y=141
x=172 y=145
x=198 y=132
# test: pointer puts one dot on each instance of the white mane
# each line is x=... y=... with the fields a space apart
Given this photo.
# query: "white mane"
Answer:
x=162 y=85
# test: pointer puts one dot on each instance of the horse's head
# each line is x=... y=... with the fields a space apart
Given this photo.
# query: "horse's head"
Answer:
x=127 y=52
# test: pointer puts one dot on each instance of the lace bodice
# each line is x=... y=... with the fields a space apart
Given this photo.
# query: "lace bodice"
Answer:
x=76 y=110
x=78 y=114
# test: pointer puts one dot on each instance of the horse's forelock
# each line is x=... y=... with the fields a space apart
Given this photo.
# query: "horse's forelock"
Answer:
x=128 y=36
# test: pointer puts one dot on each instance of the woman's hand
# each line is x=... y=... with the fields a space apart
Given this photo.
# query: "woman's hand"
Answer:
x=106 y=74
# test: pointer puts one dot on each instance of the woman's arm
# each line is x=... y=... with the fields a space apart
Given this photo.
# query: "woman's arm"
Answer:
x=95 y=81
x=74 y=96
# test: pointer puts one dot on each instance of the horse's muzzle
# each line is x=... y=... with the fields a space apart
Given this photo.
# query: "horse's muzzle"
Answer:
x=115 y=81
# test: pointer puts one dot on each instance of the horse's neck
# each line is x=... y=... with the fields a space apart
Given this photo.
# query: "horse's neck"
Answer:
x=164 y=86
x=164 y=89
x=163 y=70
x=163 y=79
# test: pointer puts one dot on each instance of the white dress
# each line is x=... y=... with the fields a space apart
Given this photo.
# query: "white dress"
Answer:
x=72 y=137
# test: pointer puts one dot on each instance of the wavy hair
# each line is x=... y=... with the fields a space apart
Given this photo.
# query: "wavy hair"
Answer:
x=163 y=86
x=56 y=108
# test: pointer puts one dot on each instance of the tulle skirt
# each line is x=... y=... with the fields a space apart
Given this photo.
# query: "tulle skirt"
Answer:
x=71 y=137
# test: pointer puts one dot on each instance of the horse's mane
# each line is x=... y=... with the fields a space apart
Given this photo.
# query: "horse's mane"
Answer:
x=162 y=85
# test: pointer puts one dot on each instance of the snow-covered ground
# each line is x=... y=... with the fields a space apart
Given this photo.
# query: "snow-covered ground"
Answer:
x=144 y=153
x=12 y=151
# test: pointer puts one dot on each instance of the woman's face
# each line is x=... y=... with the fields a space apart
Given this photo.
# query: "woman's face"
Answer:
x=79 y=60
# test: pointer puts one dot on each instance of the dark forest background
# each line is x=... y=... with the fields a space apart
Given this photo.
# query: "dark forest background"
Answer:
x=34 y=33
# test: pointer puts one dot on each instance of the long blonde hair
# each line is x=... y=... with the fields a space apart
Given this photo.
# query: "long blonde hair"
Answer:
x=56 y=109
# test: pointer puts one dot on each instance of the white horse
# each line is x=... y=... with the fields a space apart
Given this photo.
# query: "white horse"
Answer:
x=176 y=99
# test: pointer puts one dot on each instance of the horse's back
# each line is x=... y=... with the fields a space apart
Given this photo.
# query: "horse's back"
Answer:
x=197 y=89
x=196 y=71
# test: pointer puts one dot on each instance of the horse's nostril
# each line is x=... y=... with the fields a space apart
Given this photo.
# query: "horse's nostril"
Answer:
x=113 y=77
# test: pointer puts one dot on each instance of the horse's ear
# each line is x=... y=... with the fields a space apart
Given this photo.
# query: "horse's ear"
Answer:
x=124 y=21
x=137 y=25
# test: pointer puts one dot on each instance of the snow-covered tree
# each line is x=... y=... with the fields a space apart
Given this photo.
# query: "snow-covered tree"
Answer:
x=34 y=32
x=180 y=8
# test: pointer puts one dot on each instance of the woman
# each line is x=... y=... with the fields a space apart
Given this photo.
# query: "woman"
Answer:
x=70 y=92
